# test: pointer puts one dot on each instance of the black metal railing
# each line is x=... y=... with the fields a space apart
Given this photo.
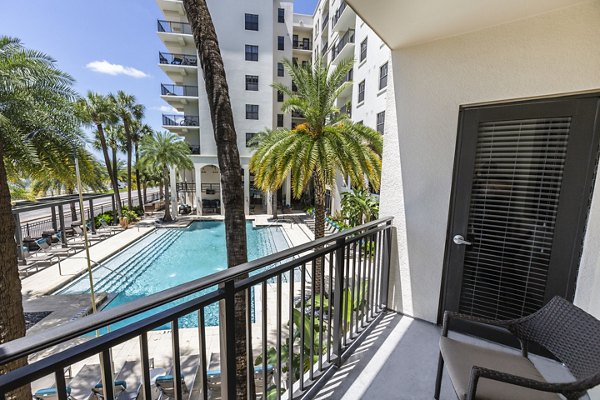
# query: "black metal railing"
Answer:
x=348 y=37
x=323 y=297
x=325 y=21
x=325 y=48
x=177 y=59
x=349 y=76
x=178 y=90
x=195 y=149
x=301 y=45
x=338 y=12
x=186 y=187
x=174 y=27
x=180 y=120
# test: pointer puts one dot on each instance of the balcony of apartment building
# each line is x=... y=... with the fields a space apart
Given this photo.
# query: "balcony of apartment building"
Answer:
x=348 y=78
x=178 y=66
x=180 y=122
x=178 y=96
x=301 y=44
x=343 y=19
x=171 y=6
x=175 y=34
x=344 y=47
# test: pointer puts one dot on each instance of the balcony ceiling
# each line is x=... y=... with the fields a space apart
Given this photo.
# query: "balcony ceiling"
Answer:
x=410 y=22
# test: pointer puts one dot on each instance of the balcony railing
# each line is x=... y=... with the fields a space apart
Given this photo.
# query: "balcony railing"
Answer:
x=178 y=90
x=194 y=149
x=180 y=120
x=302 y=45
x=174 y=27
x=348 y=37
x=338 y=12
x=177 y=59
x=324 y=49
x=325 y=21
x=323 y=296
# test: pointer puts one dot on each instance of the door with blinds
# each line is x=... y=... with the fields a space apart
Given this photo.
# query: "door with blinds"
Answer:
x=523 y=181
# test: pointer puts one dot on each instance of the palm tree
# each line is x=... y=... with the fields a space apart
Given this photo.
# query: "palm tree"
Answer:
x=359 y=206
x=139 y=131
x=161 y=151
x=35 y=110
x=228 y=155
x=98 y=111
x=128 y=111
x=254 y=144
x=327 y=144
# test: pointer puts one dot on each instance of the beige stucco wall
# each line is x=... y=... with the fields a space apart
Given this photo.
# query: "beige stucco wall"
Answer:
x=553 y=53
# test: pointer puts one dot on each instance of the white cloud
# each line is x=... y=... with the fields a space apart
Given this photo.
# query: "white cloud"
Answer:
x=105 y=67
x=166 y=109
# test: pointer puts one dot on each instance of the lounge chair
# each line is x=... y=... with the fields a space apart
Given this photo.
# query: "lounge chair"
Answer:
x=58 y=251
x=166 y=383
x=213 y=376
x=50 y=393
x=120 y=387
x=104 y=227
x=90 y=236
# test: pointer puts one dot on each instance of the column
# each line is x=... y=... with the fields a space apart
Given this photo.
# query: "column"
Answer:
x=19 y=236
x=246 y=190
x=54 y=223
x=92 y=216
x=61 y=219
x=288 y=190
x=173 y=189
x=269 y=201
x=198 y=180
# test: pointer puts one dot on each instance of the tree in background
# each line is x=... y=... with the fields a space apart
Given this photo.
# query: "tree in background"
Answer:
x=139 y=131
x=128 y=111
x=219 y=104
x=97 y=111
x=359 y=206
x=161 y=151
x=36 y=121
x=326 y=145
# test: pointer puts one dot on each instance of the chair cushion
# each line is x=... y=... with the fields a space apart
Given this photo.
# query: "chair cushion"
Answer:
x=460 y=357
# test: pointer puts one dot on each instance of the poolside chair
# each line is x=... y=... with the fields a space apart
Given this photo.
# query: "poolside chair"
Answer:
x=165 y=384
x=50 y=393
x=58 y=251
x=90 y=236
x=213 y=376
x=111 y=229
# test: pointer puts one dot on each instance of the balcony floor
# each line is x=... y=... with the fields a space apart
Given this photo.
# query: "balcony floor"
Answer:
x=398 y=360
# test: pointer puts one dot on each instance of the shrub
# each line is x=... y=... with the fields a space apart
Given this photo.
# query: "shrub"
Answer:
x=130 y=215
x=107 y=216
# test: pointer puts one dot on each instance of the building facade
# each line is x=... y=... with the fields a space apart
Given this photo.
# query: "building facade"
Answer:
x=254 y=38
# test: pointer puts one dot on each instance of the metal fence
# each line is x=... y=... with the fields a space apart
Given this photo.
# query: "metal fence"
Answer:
x=177 y=59
x=180 y=120
x=174 y=27
x=312 y=305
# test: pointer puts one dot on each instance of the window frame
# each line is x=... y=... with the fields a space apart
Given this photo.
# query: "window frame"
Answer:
x=383 y=78
x=363 y=49
x=250 y=54
x=251 y=85
x=279 y=96
x=250 y=25
x=380 y=125
x=251 y=113
x=280 y=69
x=249 y=137
x=281 y=15
x=280 y=120
x=361 y=93
x=280 y=43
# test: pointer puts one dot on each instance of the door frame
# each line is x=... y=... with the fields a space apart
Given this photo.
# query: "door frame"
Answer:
x=580 y=216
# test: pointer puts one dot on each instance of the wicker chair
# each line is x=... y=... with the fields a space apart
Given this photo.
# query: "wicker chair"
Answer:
x=569 y=333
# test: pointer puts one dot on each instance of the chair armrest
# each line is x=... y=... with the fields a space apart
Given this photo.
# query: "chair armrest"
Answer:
x=451 y=315
x=569 y=389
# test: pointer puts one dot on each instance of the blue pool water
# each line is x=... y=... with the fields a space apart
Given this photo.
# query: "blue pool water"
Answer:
x=169 y=257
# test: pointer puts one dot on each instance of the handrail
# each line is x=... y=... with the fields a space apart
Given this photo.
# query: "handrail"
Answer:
x=177 y=59
x=25 y=346
x=169 y=89
x=174 y=27
x=180 y=120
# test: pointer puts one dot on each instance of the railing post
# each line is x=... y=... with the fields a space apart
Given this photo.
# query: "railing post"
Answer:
x=27 y=229
x=337 y=300
x=61 y=219
x=19 y=237
x=92 y=218
x=385 y=270
x=227 y=339
x=54 y=224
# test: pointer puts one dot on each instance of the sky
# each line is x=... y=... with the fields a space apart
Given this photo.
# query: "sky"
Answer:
x=105 y=45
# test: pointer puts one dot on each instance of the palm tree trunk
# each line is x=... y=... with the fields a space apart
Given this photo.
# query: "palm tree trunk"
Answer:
x=109 y=169
x=228 y=155
x=128 y=134
x=319 y=228
x=138 y=179
x=12 y=321
x=167 y=217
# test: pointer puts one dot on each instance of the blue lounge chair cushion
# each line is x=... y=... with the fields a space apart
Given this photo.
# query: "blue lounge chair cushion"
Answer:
x=165 y=378
x=119 y=382
x=49 y=391
x=257 y=370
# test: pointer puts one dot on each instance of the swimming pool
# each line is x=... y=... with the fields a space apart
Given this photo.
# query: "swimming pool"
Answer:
x=169 y=257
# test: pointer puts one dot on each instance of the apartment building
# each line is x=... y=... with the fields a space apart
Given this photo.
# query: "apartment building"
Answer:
x=339 y=34
x=255 y=37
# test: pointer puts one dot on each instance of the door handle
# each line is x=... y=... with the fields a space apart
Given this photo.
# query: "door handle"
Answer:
x=459 y=239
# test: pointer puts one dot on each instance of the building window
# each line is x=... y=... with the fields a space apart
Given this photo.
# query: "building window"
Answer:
x=295 y=61
x=383 y=72
x=279 y=69
x=252 y=82
x=249 y=137
x=304 y=63
x=361 y=92
x=281 y=15
x=251 y=22
x=251 y=53
x=251 y=111
x=280 y=44
x=363 y=50
x=294 y=87
x=280 y=120
x=380 y=122
x=279 y=96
